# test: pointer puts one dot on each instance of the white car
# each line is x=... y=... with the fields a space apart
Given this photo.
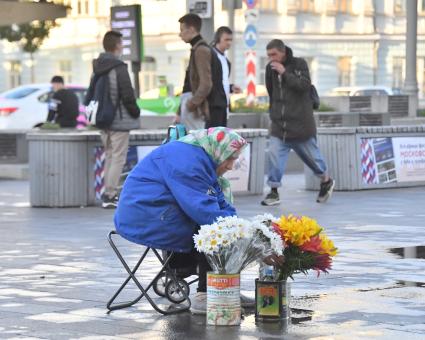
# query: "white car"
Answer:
x=374 y=90
x=26 y=106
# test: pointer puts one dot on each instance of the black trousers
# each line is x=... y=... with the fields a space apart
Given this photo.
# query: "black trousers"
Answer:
x=203 y=268
x=193 y=259
x=218 y=117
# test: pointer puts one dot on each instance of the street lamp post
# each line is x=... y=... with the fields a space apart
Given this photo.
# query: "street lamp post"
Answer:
x=411 y=82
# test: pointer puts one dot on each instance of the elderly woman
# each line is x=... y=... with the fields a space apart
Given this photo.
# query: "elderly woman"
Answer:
x=175 y=189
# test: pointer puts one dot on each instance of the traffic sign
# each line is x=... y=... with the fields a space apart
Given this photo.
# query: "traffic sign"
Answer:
x=128 y=21
x=251 y=3
x=202 y=8
x=251 y=15
x=250 y=36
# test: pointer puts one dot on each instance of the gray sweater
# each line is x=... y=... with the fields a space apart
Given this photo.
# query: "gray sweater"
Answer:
x=128 y=113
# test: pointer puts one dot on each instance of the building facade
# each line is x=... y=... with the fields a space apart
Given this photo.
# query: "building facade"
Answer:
x=345 y=42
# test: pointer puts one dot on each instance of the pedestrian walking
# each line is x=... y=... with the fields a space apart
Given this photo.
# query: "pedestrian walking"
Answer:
x=203 y=78
x=292 y=123
x=63 y=105
x=119 y=94
x=222 y=42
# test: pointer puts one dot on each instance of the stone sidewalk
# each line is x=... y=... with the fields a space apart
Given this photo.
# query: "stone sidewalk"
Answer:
x=57 y=272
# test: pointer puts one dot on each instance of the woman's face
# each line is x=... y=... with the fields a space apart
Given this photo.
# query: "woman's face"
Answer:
x=225 y=166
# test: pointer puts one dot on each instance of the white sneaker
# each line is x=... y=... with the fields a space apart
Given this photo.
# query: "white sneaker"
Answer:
x=199 y=303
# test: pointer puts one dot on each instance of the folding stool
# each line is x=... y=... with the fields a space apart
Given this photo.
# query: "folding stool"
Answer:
x=164 y=260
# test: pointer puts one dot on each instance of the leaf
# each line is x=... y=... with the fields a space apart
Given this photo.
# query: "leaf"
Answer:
x=29 y=36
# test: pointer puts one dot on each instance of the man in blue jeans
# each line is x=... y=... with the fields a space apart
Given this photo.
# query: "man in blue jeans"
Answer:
x=292 y=123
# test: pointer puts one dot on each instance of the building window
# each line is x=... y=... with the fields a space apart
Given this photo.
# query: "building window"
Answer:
x=307 y=5
x=345 y=6
x=83 y=7
x=398 y=74
x=344 y=71
x=268 y=5
x=65 y=70
x=15 y=73
x=148 y=74
x=399 y=6
x=79 y=7
x=422 y=6
x=96 y=7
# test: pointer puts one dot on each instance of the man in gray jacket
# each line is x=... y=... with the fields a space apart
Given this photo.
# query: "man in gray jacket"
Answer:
x=115 y=138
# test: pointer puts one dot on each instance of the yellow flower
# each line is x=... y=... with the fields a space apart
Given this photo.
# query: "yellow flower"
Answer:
x=298 y=230
x=328 y=246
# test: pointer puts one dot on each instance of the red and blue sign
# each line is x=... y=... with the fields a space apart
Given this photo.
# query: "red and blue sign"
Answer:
x=250 y=3
x=250 y=36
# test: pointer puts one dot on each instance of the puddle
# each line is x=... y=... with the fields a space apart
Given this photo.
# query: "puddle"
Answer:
x=417 y=252
x=398 y=284
x=411 y=284
x=300 y=315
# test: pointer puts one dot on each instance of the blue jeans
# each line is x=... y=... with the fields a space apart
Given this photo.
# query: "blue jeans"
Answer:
x=306 y=150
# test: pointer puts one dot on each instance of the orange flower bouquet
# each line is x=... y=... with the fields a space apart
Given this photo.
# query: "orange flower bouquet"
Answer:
x=306 y=246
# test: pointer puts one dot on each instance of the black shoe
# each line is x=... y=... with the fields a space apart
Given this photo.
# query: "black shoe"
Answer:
x=271 y=199
x=110 y=203
x=325 y=192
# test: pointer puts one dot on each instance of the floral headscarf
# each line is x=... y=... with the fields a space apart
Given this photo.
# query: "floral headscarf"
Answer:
x=220 y=143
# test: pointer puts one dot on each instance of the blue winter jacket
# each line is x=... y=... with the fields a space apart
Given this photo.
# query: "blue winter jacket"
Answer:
x=165 y=198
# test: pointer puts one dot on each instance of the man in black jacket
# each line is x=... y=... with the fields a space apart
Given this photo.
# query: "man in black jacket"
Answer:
x=223 y=39
x=63 y=106
x=292 y=123
x=115 y=138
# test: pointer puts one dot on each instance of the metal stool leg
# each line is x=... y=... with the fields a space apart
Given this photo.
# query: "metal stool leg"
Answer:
x=130 y=303
x=131 y=275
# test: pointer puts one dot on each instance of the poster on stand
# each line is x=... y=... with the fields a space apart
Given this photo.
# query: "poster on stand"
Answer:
x=392 y=159
x=239 y=176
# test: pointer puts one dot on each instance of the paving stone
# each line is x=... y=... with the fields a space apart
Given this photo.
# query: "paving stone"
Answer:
x=57 y=272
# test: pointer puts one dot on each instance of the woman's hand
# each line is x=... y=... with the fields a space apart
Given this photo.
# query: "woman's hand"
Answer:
x=274 y=260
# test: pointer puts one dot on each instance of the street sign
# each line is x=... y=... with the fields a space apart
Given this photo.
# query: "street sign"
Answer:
x=202 y=8
x=250 y=36
x=252 y=15
x=128 y=21
x=251 y=3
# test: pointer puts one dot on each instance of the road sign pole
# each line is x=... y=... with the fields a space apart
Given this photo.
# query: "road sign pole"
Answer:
x=135 y=68
x=250 y=38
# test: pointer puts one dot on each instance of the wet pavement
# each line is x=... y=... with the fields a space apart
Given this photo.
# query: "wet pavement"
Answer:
x=57 y=272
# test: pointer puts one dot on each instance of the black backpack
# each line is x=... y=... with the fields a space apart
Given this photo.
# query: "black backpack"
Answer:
x=100 y=110
x=314 y=97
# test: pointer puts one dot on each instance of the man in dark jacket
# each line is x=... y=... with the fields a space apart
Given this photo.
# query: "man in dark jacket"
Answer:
x=63 y=106
x=292 y=123
x=115 y=138
x=223 y=39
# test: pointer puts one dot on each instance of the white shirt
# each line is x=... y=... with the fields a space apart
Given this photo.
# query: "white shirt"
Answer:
x=226 y=73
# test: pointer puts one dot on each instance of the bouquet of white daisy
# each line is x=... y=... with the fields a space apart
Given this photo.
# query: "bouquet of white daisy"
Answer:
x=231 y=244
